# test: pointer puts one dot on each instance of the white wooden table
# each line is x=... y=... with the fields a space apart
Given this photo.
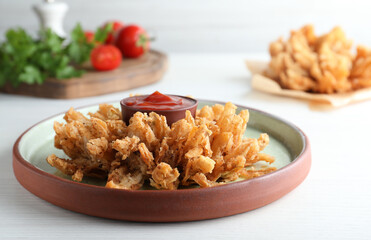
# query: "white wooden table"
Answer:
x=334 y=202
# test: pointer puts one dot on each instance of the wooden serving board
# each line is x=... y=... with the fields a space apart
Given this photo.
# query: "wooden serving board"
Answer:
x=132 y=73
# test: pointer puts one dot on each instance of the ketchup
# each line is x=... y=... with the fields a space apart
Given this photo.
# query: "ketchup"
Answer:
x=158 y=101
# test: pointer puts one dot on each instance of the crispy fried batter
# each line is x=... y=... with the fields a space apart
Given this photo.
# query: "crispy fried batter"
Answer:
x=121 y=178
x=78 y=167
x=207 y=150
x=360 y=75
x=202 y=180
x=65 y=166
x=321 y=64
x=146 y=155
x=126 y=146
x=97 y=147
x=292 y=60
x=165 y=177
x=107 y=112
x=252 y=172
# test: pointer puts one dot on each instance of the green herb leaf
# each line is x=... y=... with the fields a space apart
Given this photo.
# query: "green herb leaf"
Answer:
x=78 y=52
x=31 y=75
x=68 y=72
x=79 y=49
x=19 y=44
x=2 y=78
x=77 y=33
x=102 y=33
x=25 y=60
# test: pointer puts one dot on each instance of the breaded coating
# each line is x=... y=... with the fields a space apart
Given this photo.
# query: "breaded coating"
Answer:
x=131 y=174
x=146 y=155
x=126 y=146
x=121 y=178
x=107 y=112
x=202 y=180
x=65 y=166
x=88 y=142
x=97 y=147
x=208 y=150
x=253 y=173
x=319 y=64
x=165 y=177
x=360 y=75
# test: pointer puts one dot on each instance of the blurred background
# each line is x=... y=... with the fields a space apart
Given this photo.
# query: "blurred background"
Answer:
x=208 y=25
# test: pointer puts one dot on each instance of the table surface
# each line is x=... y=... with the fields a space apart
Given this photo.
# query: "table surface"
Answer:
x=333 y=202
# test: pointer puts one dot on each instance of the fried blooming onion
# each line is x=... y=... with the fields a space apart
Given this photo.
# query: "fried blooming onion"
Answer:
x=321 y=64
x=208 y=150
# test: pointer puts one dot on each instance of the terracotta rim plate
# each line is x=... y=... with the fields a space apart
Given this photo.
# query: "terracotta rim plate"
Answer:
x=288 y=144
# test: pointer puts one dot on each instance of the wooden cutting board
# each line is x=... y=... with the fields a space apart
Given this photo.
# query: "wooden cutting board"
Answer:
x=132 y=73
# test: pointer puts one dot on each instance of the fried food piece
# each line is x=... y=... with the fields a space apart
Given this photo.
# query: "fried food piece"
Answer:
x=360 y=75
x=321 y=64
x=197 y=164
x=71 y=115
x=207 y=150
x=130 y=174
x=126 y=146
x=120 y=178
x=332 y=68
x=107 y=112
x=129 y=169
x=202 y=180
x=146 y=156
x=165 y=177
x=149 y=128
x=253 y=173
x=65 y=166
x=88 y=142
x=77 y=167
x=97 y=147
x=292 y=60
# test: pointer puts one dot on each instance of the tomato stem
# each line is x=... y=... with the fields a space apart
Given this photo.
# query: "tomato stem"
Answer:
x=142 y=41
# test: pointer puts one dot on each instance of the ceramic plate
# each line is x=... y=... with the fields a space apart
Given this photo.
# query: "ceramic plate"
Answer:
x=288 y=144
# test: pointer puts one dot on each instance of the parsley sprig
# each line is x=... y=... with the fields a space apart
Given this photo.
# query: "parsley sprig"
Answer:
x=25 y=60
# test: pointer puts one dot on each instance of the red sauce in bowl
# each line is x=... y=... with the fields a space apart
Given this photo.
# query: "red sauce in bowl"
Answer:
x=173 y=107
x=158 y=101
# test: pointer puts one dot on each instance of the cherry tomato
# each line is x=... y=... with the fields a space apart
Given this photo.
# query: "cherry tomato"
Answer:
x=132 y=41
x=89 y=35
x=116 y=27
x=105 y=57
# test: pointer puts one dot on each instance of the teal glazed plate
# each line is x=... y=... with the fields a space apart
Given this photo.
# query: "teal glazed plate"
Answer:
x=288 y=144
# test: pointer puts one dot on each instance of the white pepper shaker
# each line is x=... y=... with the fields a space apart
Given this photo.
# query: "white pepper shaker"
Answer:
x=51 y=15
